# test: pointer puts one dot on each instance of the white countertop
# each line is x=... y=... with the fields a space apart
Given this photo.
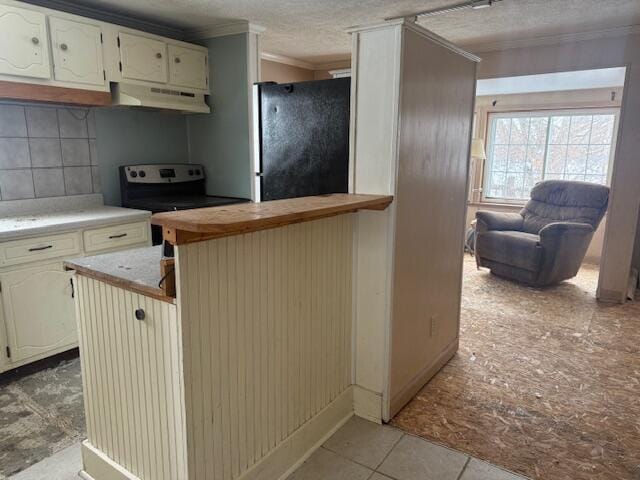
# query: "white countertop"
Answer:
x=29 y=225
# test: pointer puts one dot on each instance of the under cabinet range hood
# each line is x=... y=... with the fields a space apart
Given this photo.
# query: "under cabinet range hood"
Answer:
x=130 y=95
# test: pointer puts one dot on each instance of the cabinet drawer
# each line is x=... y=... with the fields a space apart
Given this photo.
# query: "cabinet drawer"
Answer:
x=39 y=248
x=115 y=236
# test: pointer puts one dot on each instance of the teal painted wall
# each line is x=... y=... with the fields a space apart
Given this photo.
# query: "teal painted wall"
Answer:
x=126 y=136
x=220 y=140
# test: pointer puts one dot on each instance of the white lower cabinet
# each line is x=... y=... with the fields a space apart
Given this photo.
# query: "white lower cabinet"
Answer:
x=38 y=311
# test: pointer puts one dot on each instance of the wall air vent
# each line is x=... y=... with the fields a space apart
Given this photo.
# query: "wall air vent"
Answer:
x=165 y=91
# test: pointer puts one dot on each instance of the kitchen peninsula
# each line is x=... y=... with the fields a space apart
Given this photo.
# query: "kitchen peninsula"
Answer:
x=248 y=368
x=292 y=315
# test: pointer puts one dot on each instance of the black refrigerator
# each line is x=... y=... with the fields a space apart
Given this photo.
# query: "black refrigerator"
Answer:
x=302 y=135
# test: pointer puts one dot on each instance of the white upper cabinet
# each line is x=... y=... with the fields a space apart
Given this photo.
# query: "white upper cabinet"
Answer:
x=24 y=47
x=143 y=58
x=77 y=51
x=48 y=47
x=187 y=67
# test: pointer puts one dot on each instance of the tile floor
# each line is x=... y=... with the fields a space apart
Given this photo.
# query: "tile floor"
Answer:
x=63 y=465
x=360 y=450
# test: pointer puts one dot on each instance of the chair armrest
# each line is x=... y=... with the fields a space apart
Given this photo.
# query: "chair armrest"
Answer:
x=564 y=228
x=499 y=221
x=564 y=247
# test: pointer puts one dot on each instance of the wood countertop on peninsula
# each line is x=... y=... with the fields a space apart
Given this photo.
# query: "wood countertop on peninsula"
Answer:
x=200 y=224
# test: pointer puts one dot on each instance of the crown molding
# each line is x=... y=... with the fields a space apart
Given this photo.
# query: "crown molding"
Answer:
x=337 y=65
x=420 y=30
x=554 y=39
x=224 y=29
x=376 y=25
x=125 y=20
x=410 y=24
x=294 y=62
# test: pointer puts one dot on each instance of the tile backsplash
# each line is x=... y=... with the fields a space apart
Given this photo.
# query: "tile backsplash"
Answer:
x=47 y=151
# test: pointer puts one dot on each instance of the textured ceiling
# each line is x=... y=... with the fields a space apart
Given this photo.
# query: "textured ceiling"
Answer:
x=313 y=30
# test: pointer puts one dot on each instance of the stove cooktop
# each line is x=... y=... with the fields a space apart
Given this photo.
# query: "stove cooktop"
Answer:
x=165 y=188
x=181 y=202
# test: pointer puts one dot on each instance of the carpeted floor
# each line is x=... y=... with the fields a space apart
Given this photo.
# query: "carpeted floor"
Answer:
x=41 y=413
x=546 y=382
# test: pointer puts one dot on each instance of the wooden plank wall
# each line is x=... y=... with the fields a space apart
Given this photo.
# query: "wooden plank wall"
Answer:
x=266 y=319
x=436 y=112
x=133 y=388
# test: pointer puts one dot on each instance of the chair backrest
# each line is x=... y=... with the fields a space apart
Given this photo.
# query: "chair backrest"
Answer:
x=565 y=201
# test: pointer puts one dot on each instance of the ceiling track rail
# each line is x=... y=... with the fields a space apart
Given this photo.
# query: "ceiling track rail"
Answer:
x=474 y=4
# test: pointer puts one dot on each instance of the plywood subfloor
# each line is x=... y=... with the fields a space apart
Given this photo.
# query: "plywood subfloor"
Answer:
x=546 y=382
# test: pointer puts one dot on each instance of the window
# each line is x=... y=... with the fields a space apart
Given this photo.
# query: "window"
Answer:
x=525 y=148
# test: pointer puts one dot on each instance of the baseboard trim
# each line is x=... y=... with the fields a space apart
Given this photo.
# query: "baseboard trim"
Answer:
x=293 y=451
x=367 y=404
x=610 y=296
x=97 y=466
x=279 y=463
x=404 y=396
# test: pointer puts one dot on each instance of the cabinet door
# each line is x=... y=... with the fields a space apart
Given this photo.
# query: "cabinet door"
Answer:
x=187 y=67
x=77 y=52
x=24 y=49
x=39 y=310
x=143 y=58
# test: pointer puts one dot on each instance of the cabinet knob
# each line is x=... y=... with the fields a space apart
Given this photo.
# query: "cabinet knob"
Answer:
x=63 y=47
x=35 y=40
x=177 y=60
x=140 y=315
x=158 y=55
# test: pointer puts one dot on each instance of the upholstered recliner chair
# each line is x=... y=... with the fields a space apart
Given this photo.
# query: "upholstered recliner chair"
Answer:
x=546 y=242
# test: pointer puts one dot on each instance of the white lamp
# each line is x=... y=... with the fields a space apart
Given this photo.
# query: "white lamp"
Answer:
x=477 y=152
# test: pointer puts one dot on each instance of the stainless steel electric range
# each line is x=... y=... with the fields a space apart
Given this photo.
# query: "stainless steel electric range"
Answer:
x=167 y=187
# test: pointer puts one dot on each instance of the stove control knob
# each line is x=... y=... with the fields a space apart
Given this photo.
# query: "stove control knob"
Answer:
x=197 y=172
x=142 y=174
x=190 y=172
x=134 y=174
